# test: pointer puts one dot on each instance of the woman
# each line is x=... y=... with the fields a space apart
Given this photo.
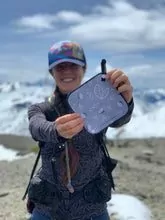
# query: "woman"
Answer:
x=82 y=197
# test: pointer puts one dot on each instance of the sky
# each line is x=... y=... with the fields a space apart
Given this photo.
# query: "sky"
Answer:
x=130 y=35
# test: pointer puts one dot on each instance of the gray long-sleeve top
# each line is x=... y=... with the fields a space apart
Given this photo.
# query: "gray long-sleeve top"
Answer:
x=91 y=155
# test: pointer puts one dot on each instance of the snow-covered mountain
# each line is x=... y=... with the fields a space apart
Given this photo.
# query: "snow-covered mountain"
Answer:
x=147 y=120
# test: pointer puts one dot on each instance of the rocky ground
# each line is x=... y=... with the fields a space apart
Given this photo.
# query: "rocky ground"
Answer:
x=140 y=172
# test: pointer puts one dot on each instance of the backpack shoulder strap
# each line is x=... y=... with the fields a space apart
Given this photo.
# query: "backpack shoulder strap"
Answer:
x=33 y=171
x=51 y=114
x=109 y=163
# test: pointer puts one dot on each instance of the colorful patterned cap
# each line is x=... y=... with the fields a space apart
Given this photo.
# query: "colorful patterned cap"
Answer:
x=66 y=51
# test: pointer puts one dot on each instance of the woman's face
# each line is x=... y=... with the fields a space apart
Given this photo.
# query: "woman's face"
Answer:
x=68 y=76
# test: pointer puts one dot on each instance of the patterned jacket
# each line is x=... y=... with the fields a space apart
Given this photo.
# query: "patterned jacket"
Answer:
x=90 y=164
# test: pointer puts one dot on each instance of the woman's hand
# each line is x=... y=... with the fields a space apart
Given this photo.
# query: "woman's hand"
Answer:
x=121 y=82
x=69 y=125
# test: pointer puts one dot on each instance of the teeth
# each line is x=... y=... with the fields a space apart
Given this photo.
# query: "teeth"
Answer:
x=67 y=80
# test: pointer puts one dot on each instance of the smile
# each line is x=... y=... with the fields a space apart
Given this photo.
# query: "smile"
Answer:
x=67 y=80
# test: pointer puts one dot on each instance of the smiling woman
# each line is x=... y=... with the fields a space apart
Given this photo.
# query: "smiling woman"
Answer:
x=65 y=77
x=73 y=182
x=67 y=65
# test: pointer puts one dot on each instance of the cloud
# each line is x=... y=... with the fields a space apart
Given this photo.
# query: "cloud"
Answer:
x=117 y=31
x=69 y=17
x=118 y=26
x=21 y=67
x=142 y=70
x=122 y=27
x=42 y=22
x=38 y=22
x=147 y=70
x=149 y=75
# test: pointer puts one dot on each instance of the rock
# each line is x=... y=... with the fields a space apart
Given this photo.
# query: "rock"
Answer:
x=148 y=152
x=4 y=194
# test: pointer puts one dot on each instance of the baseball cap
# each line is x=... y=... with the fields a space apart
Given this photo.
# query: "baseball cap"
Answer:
x=66 y=51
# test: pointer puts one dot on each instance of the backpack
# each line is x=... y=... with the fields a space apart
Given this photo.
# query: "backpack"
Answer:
x=51 y=114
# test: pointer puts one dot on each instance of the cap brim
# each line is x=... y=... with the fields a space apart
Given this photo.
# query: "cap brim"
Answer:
x=78 y=62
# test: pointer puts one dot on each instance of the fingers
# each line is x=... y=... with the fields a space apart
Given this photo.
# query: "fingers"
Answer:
x=121 y=82
x=69 y=125
x=68 y=117
x=117 y=77
x=125 y=88
x=69 y=133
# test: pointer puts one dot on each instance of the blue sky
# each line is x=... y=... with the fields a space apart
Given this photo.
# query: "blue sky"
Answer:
x=129 y=34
